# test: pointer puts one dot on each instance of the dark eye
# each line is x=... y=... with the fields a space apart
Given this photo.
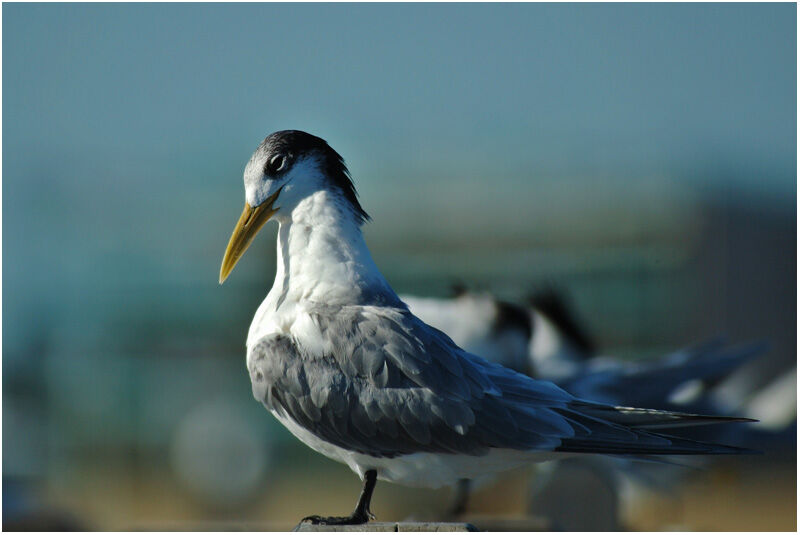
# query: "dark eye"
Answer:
x=275 y=164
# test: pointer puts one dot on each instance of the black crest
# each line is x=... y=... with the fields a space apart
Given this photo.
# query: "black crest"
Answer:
x=553 y=304
x=295 y=144
x=511 y=316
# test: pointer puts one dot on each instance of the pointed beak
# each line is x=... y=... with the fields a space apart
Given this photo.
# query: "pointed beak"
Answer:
x=249 y=224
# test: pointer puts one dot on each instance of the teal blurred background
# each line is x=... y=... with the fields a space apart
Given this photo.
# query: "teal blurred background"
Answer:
x=642 y=157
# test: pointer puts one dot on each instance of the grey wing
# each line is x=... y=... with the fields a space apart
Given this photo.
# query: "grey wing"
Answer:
x=393 y=386
x=390 y=385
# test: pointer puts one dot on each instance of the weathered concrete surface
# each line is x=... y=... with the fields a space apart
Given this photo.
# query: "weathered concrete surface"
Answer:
x=505 y=523
x=392 y=526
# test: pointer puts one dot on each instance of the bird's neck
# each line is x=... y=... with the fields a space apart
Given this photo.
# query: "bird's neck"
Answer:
x=322 y=259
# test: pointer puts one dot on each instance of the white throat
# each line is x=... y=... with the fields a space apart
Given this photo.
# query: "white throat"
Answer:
x=322 y=259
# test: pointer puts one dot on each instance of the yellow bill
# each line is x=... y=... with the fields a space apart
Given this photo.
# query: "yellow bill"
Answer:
x=249 y=224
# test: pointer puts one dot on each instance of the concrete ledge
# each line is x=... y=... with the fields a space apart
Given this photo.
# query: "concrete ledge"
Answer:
x=504 y=523
x=392 y=526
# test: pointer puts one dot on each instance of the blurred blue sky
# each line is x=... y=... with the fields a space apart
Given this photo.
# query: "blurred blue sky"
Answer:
x=403 y=91
x=126 y=126
x=643 y=155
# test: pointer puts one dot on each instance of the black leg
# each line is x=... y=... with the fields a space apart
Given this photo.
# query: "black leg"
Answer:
x=361 y=514
x=459 y=506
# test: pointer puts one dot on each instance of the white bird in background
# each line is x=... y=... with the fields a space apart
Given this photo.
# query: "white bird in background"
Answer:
x=547 y=341
x=543 y=340
x=705 y=377
x=480 y=324
x=338 y=358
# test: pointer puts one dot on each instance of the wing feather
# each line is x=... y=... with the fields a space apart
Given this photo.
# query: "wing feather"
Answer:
x=391 y=385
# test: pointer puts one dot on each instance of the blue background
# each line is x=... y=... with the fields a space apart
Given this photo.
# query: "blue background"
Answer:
x=642 y=157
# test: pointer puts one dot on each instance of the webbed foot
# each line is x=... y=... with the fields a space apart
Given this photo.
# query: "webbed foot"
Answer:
x=361 y=515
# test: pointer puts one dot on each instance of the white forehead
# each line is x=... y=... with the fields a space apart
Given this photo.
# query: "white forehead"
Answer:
x=304 y=176
x=254 y=170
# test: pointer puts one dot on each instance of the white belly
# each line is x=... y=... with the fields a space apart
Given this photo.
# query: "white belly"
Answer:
x=420 y=469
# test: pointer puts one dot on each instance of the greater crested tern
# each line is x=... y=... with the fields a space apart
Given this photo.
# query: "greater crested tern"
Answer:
x=339 y=360
x=545 y=340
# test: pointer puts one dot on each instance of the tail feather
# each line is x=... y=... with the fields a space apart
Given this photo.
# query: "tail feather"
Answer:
x=629 y=431
x=655 y=419
x=677 y=446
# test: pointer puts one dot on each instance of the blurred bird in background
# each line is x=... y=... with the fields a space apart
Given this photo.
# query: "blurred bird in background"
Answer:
x=547 y=340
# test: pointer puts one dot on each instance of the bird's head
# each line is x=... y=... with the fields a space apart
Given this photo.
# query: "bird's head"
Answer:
x=287 y=167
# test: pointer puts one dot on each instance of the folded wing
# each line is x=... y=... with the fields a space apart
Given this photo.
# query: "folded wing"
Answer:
x=381 y=382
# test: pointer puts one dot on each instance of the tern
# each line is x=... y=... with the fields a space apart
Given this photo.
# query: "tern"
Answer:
x=546 y=340
x=338 y=358
x=543 y=340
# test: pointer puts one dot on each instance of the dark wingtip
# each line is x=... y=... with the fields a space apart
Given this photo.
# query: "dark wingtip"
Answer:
x=744 y=420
